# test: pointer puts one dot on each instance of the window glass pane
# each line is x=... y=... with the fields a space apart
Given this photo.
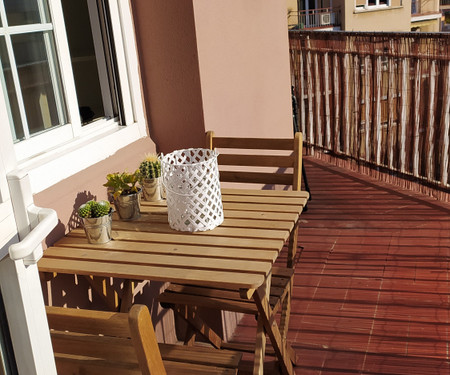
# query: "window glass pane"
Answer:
x=84 y=61
x=24 y=12
x=39 y=80
x=10 y=93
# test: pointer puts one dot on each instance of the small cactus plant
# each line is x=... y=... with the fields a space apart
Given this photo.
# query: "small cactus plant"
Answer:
x=93 y=209
x=150 y=167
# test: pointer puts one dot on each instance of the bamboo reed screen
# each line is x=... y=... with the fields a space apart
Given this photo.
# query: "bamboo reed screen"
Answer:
x=381 y=99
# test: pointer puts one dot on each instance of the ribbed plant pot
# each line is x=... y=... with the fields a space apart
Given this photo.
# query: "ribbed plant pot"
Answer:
x=152 y=189
x=128 y=206
x=98 y=229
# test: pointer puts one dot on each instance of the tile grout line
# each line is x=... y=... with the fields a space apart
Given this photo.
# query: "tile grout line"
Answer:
x=376 y=310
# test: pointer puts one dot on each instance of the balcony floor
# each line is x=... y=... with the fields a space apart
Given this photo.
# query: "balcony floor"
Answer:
x=371 y=291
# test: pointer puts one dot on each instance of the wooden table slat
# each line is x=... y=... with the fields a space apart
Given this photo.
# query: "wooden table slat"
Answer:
x=263 y=200
x=266 y=193
x=255 y=207
x=270 y=216
x=119 y=235
x=167 y=260
x=219 y=231
x=160 y=248
x=283 y=225
x=246 y=214
x=234 y=280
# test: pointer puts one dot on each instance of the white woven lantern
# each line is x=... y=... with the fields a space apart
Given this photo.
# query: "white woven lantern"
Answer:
x=191 y=181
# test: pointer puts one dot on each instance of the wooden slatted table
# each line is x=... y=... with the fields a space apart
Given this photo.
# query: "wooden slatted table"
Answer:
x=238 y=254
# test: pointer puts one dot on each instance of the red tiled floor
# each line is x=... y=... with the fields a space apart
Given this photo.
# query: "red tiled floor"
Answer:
x=371 y=290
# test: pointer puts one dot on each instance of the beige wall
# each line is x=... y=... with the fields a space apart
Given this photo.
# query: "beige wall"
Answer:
x=429 y=6
x=292 y=7
x=221 y=65
x=244 y=67
x=390 y=19
x=291 y=4
x=430 y=26
x=165 y=33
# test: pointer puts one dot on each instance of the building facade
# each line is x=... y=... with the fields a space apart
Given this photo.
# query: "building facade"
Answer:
x=365 y=15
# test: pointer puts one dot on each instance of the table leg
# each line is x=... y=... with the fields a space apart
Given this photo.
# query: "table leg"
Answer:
x=292 y=246
x=285 y=312
x=271 y=328
x=260 y=347
x=127 y=296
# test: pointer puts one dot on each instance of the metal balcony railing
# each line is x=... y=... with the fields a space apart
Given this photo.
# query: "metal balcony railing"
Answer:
x=314 y=18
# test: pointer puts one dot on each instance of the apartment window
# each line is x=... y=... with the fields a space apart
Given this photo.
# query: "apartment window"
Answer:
x=59 y=70
x=372 y=3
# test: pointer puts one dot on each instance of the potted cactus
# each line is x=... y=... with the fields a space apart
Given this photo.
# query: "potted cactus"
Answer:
x=150 y=177
x=96 y=218
x=126 y=193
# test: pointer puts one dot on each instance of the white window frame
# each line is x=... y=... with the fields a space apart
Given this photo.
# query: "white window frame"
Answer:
x=72 y=147
x=375 y=6
x=378 y=5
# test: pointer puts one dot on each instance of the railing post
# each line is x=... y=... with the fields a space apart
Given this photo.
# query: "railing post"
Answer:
x=430 y=138
x=416 y=124
x=377 y=111
x=367 y=101
x=445 y=126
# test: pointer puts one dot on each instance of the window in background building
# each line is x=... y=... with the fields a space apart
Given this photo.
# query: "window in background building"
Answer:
x=372 y=3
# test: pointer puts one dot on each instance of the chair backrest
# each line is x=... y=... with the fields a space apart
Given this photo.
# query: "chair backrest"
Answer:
x=243 y=156
x=99 y=342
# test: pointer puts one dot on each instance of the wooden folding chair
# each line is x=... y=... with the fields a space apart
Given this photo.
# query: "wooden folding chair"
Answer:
x=87 y=342
x=268 y=161
x=240 y=158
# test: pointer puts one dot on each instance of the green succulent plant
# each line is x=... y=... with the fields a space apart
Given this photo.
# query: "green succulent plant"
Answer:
x=150 y=167
x=123 y=183
x=93 y=209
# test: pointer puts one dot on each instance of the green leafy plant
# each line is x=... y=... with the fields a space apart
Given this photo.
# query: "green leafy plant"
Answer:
x=93 y=209
x=150 y=167
x=123 y=183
